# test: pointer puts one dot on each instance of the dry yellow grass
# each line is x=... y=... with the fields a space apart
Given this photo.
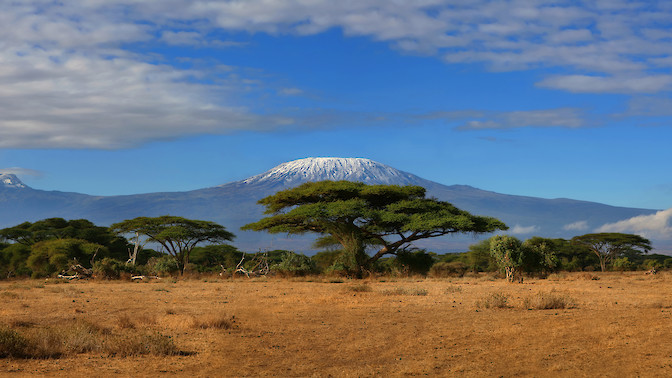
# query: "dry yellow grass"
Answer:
x=619 y=325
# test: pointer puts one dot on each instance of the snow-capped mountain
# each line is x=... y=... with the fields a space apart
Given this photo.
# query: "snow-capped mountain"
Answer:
x=8 y=180
x=332 y=168
x=235 y=204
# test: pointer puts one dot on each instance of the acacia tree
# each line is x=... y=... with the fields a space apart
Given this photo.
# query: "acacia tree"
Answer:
x=177 y=235
x=607 y=246
x=357 y=215
x=508 y=253
x=513 y=256
x=28 y=233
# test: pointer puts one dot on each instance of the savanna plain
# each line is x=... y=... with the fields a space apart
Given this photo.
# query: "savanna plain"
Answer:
x=569 y=324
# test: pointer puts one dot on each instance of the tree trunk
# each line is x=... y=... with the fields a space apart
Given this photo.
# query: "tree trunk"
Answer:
x=603 y=263
x=510 y=273
x=136 y=248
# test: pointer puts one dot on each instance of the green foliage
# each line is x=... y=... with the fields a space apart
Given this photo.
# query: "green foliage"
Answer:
x=539 y=255
x=610 y=246
x=13 y=261
x=479 y=258
x=145 y=254
x=110 y=269
x=667 y=263
x=444 y=269
x=215 y=256
x=508 y=253
x=163 y=266
x=623 y=264
x=323 y=260
x=52 y=256
x=415 y=262
x=58 y=228
x=355 y=215
x=293 y=264
x=177 y=235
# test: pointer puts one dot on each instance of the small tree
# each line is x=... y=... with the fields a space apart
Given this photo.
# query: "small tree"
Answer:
x=177 y=235
x=539 y=255
x=609 y=246
x=508 y=253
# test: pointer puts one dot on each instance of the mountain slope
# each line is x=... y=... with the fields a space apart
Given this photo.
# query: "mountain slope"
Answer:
x=234 y=204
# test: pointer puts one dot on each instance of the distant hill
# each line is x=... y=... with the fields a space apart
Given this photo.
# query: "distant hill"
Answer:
x=234 y=204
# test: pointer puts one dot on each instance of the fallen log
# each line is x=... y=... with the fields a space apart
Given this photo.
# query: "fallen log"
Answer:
x=143 y=278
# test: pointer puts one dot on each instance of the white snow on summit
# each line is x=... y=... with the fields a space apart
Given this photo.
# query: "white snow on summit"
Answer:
x=9 y=180
x=331 y=168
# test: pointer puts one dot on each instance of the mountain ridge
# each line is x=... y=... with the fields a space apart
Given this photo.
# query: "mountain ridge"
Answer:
x=235 y=204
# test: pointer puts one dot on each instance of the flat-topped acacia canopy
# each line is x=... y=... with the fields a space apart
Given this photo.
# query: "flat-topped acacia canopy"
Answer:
x=354 y=214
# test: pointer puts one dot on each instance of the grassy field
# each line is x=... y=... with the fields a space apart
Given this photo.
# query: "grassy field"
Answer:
x=571 y=324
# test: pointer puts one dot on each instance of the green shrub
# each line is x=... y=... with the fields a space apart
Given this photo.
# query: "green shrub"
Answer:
x=323 y=260
x=623 y=264
x=111 y=269
x=12 y=344
x=448 y=269
x=338 y=268
x=293 y=264
x=162 y=266
x=415 y=262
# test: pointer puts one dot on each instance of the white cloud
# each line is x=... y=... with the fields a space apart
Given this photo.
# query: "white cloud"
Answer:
x=68 y=79
x=655 y=226
x=576 y=226
x=291 y=91
x=181 y=37
x=21 y=171
x=562 y=117
x=649 y=106
x=610 y=84
x=518 y=229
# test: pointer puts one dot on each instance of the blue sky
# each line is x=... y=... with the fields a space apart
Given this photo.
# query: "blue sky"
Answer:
x=541 y=98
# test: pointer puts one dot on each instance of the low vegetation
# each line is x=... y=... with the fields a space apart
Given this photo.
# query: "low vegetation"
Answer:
x=78 y=337
x=389 y=325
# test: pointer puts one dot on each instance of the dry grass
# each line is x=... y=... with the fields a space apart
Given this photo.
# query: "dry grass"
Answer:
x=494 y=300
x=549 y=301
x=405 y=291
x=214 y=321
x=618 y=325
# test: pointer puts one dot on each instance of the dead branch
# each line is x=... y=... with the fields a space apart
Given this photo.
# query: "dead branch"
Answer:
x=260 y=268
x=144 y=278
x=73 y=277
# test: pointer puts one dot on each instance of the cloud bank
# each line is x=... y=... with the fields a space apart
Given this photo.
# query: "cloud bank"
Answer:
x=521 y=230
x=71 y=75
x=576 y=226
x=655 y=226
x=21 y=171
